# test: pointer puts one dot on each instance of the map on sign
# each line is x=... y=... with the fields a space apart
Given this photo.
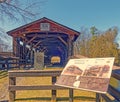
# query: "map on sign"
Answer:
x=91 y=74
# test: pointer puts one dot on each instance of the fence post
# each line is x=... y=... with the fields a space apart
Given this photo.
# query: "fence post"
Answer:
x=53 y=91
x=7 y=64
x=12 y=94
x=70 y=95
x=98 y=97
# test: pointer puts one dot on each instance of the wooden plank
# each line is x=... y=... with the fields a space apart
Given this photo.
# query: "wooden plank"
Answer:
x=35 y=36
x=98 y=97
x=70 y=46
x=37 y=44
x=114 y=92
x=14 y=46
x=71 y=95
x=33 y=73
x=41 y=87
x=116 y=75
x=12 y=62
x=12 y=93
x=44 y=35
x=53 y=90
x=14 y=67
x=63 y=41
x=106 y=98
x=11 y=96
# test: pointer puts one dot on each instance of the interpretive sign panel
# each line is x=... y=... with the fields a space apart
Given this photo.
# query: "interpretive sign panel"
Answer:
x=92 y=74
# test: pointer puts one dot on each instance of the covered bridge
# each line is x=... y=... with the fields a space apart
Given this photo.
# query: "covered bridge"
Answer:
x=45 y=36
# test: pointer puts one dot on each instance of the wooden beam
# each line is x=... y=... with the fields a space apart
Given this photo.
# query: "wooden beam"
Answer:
x=14 y=46
x=32 y=39
x=37 y=44
x=62 y=40
x=34 y=73
x=46 y=35
x=40 y=87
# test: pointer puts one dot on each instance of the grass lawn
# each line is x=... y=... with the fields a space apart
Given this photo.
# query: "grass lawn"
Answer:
x=42 y=95
x=3 y=85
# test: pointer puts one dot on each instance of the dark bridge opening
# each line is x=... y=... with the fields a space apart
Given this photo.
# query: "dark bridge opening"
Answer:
x=55 y=56
x=51 y=45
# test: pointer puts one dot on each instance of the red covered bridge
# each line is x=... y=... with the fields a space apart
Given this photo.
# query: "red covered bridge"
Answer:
x=43 y=35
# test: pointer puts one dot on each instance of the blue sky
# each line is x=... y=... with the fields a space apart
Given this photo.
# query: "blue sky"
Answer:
x=75 y=14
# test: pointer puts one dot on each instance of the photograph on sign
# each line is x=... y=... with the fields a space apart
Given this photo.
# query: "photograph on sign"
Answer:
x=91 y=74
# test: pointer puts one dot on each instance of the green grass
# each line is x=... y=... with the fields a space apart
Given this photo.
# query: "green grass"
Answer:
x=3 y=85
x=3 y=74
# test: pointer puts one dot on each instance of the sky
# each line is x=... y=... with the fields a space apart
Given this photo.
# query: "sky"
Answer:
x=103 y=14
x=75 y=14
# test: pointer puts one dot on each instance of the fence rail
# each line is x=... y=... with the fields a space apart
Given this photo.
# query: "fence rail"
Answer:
x=37 y=73
x=113 y=91
x=9 y=63
x=13 y=88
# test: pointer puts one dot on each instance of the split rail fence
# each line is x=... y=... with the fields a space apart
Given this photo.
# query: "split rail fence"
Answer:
x=54 y=74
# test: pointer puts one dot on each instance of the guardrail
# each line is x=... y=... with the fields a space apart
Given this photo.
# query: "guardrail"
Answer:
x=114 y=92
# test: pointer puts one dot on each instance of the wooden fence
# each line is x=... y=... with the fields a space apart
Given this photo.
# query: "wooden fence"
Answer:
x=37 y=73
x=7 y=63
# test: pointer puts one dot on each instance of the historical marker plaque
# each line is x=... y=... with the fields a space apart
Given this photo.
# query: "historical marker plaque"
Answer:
x=92 y=74
x=39 y=60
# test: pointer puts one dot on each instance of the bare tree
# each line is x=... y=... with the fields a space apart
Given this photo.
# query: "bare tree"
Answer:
x=81 y=46
x=19 y=9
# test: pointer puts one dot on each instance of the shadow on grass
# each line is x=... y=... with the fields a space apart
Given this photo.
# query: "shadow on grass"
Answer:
x=4 y=101
x=3 y=71
x=77 y=98
x=34 y=98
x=84 y=98
x=3 y=74
x=57 y=99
